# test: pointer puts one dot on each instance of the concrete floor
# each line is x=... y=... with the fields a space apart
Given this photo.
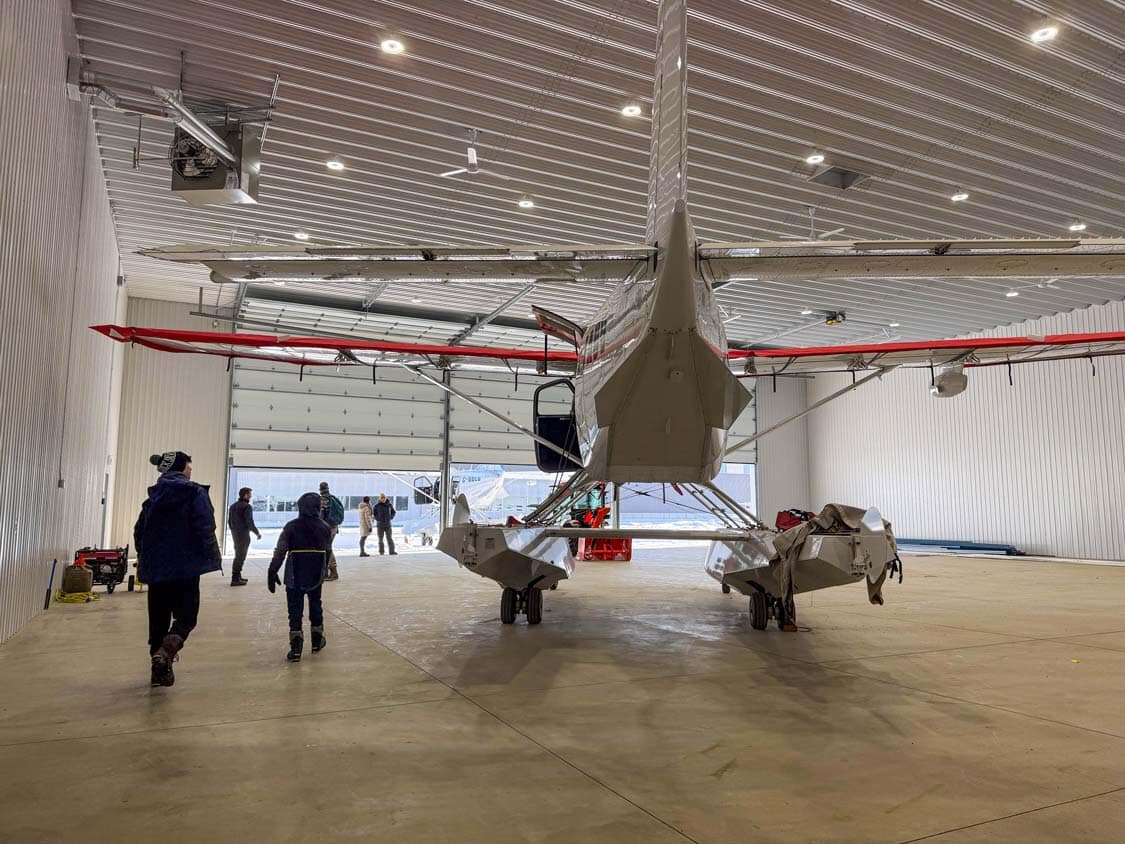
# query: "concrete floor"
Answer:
x=983 y=703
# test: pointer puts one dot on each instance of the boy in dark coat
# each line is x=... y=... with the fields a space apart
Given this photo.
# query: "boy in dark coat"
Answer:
x=304 y=546
x=175 y=541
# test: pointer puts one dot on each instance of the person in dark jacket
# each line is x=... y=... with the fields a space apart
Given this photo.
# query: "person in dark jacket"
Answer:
x=175 y=541
x=384 y=513
x=332 y=513
x=304 y=546
x=240 y=520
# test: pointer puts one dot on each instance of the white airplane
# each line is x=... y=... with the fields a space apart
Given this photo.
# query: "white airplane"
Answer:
x=655 y=391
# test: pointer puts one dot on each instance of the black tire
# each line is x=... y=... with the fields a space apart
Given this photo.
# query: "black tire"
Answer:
x=534 y=605
x=109 y=587
x=726 y=589
x=508 y=600
x=759 y=610
x=132 y=583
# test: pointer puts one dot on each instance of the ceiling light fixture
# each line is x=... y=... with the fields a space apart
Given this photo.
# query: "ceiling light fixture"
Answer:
x=526 y=202
x=1047 y=33
x=815 y=158
x=893 y=324
x=334 y=164
x=631 y=110
x=280 y=283
x=960 y=196
x=392 y=45
x=301 y=235
x=1078 y=227
x=806 y=312
x=1012 y=293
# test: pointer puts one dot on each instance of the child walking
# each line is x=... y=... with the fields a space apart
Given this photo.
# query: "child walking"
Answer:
x=304 y=546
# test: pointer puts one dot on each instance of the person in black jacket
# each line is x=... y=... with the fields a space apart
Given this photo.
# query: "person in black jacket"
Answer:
x=175 y=541
x=384 y=512
x=240 y=520
x=304 y=546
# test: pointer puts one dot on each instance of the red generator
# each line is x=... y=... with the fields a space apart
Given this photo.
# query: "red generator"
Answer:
x=108 y=565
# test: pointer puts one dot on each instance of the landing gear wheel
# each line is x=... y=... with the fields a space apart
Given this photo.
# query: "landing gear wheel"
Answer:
x=508 y=600
x=132 y=583
x=726 y=589
x=534 y=605
x=109 y=587
x=759 y=610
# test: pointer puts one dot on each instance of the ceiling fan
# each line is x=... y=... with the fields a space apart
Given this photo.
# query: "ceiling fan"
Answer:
x=812 y=229
x=472 y=166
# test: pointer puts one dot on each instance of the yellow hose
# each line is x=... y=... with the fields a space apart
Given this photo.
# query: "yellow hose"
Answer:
x=75 y=597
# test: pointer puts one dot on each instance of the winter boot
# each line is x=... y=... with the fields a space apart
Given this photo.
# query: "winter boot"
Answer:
x=237 y=579
x=162 y=674
x=296 y=645
x=318 y=640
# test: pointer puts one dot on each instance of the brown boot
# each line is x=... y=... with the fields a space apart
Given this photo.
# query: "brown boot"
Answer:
x=162 y=674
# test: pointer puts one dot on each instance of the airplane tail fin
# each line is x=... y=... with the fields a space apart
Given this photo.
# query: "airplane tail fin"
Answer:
x=668 y=155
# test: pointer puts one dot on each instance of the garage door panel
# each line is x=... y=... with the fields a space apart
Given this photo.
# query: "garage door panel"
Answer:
x=326 y=460
x=405 y=444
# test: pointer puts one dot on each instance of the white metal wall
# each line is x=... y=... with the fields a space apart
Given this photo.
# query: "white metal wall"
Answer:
x=58 y=265
x=783 y=456
x=1040 y=464
x=168 y=402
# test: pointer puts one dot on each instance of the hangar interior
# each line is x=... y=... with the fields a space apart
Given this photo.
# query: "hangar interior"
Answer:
x=982 y=703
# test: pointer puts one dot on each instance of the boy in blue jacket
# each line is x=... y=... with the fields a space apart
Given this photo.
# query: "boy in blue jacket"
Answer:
x=175 y=541
x=304 y=547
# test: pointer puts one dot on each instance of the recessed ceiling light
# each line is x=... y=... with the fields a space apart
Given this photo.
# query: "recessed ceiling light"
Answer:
x=526 y=202
x=1012 y=293
x=1047 y=33
x=301 y=235
x=415 y=299
x=806 y=312
x=334 y=164
x=280 y=283
x=392 y=45
x=893 y=324
x=1078 y=227
x=815 y=158
x=960 y=196
x=631 y=110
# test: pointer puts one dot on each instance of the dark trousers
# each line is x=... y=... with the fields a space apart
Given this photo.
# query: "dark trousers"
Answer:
x=385 y=530
x=296 y=600
x=173 y=607
x=241 y=546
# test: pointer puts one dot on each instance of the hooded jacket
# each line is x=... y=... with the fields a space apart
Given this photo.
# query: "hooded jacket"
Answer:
x=303 y=546
x=175 y=532
x=366 y=520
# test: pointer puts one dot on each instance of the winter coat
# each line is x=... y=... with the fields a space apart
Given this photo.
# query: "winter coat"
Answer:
x=240 y=519
x=365 y=519
x=384 y=511
x=175 y=533
x=304 y=546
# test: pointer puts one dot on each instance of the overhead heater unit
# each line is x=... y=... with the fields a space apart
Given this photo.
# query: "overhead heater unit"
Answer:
x=204 y=176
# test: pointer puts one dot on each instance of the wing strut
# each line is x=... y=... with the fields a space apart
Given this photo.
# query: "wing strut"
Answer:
x=453 y=391
x=878 y=373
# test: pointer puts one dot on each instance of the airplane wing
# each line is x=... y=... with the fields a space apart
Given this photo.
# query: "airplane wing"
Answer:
x=724 y=262
x=316 y=351
x=612 y=262
x=983 y=351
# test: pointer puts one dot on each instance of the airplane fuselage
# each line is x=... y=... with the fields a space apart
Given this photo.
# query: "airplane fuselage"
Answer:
x=654 y=396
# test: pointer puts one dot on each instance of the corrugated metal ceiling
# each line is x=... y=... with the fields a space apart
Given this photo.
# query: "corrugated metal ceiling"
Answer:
x=928 y=97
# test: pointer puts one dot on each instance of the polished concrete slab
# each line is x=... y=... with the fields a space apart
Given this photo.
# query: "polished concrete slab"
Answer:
x=981 y=704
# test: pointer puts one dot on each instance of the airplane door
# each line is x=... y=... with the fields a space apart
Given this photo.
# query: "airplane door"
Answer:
x=558 y=428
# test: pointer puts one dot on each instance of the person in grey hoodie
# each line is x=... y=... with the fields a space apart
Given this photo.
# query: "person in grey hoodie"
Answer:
x=175 y=541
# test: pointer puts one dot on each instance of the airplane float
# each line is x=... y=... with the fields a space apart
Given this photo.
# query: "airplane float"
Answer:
x=656 y=388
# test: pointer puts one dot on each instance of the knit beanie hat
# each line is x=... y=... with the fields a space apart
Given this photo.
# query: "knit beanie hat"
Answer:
x=170 y=461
